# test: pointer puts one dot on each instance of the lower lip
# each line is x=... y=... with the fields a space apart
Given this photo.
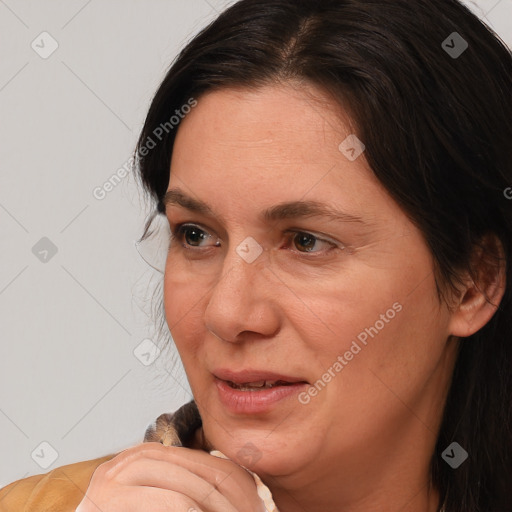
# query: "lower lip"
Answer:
x=252 y=402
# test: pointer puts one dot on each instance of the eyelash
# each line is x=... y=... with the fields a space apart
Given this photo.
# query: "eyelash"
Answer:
x=179 y=232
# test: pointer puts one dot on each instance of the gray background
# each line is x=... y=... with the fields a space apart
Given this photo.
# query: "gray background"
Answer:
x=70 y=324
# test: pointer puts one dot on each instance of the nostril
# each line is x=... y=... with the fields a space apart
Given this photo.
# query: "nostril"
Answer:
x=218 y=337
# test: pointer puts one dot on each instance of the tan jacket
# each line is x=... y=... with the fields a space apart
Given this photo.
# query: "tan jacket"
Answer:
x=63 y=488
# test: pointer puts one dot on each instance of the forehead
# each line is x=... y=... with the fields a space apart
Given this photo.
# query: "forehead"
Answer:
x=276 y=144
x=271 y=119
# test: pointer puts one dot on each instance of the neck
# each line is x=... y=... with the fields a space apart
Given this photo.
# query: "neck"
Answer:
x=199 y=441
x=424 y=499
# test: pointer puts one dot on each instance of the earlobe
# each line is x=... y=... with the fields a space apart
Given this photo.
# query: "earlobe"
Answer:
x=483 y=293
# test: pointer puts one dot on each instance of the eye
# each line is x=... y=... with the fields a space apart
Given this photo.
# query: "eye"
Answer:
x=308 y=240
x=191 y=235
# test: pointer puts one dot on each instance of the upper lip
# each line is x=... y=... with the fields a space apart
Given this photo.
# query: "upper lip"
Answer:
x=252 y=375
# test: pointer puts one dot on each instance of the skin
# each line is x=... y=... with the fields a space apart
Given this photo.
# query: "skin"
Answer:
x=365 y=441
x=150 y=477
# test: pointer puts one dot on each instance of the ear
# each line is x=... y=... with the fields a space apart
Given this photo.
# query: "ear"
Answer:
x=480 y=297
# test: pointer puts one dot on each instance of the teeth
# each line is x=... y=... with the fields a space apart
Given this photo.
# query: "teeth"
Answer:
x=251 y=386
x=257 y=384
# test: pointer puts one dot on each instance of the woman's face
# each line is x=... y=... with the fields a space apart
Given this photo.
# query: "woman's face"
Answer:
x=347 y=304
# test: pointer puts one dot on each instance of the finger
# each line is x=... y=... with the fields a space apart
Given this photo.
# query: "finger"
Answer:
x=229 y=478
x=174 y=477
x=171 y=501
x=141 y=499
x=153 y=499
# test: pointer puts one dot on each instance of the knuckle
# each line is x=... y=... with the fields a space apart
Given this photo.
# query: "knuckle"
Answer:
x=219 y=478
x=145 y=450
x=100 y=472
x=106 y=470
x=219 y=475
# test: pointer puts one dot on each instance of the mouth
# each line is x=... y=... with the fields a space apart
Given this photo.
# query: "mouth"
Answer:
x=252 y=380
x=249 y=392
x=260 y=384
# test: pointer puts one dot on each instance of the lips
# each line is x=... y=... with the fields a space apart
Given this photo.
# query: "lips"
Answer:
x=253 y=392
x=255 y=379
x=261 y=384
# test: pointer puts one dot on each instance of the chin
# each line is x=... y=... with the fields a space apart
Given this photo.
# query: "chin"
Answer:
x=262 y=453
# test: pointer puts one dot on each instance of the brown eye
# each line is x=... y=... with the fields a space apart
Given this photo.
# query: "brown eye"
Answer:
x=306 y=242
x=190 y=235
x=193 y=235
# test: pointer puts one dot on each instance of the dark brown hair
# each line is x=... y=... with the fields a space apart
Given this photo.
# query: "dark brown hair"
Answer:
x=438 y=134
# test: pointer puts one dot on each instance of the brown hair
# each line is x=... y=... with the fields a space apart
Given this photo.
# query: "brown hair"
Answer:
x=438 y=134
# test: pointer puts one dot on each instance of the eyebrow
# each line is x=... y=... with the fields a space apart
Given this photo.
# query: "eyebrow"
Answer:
x=282 y=211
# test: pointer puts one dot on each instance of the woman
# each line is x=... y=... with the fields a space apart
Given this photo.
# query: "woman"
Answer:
x=336 y=175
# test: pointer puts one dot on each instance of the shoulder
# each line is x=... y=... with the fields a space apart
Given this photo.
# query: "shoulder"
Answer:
x=60 y=490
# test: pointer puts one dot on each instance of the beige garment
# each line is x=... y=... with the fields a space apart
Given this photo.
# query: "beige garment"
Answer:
x=63 y=488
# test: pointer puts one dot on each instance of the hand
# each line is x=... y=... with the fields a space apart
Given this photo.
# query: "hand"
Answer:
x=151 y=477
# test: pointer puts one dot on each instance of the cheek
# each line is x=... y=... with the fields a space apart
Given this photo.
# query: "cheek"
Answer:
x=413 y=344
x=333 y=311
x=183 y=313
x=383 y=323
x=379 y=353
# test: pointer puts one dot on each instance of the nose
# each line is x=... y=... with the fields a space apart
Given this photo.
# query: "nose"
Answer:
x=242 y=300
